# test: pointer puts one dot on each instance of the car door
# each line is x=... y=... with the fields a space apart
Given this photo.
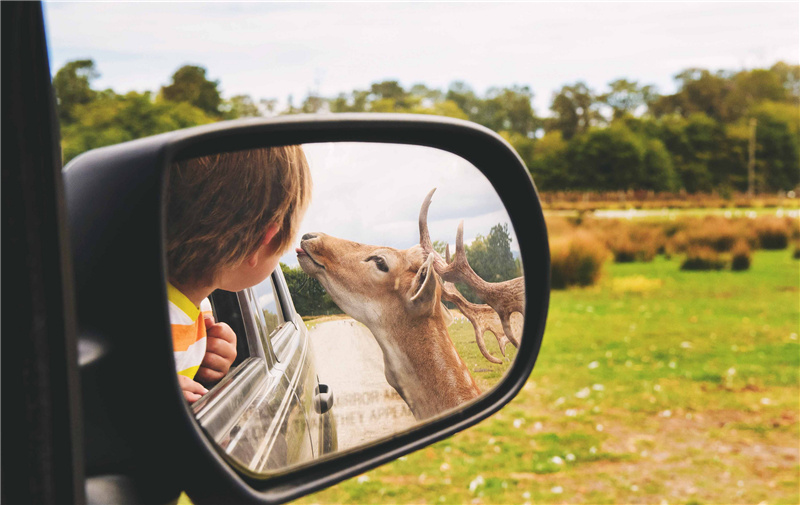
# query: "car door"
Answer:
x=294 y=350
x=254 y=413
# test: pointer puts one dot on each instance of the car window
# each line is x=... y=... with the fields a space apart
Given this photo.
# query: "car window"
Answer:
x=271 y=319
x=269 y=314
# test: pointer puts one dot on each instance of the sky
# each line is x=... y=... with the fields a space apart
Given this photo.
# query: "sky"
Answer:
x=273 y=50
x=372 y=194
x=277 y=50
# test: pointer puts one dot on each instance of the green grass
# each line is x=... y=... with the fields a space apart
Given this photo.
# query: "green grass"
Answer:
x=486 y=373
x=657 y=384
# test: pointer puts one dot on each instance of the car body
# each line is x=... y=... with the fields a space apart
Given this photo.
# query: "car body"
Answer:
x=270 y=411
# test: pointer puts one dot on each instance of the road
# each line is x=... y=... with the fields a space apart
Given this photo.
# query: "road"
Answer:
x=349 y=360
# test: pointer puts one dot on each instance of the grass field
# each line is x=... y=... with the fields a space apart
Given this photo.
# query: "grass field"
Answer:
x=655 y=386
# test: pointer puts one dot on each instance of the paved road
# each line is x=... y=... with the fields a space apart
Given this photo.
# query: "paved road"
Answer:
x=349 y=360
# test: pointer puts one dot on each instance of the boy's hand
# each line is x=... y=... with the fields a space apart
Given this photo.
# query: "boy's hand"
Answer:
x=192 y=390
x=220 y=352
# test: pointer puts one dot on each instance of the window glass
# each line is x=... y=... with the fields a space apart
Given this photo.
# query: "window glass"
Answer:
x=268 y=313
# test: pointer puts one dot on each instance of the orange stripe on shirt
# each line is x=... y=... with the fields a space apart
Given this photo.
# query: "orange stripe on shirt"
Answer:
x=185 y=335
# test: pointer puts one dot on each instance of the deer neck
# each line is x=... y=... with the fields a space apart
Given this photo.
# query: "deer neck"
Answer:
x=422 y=364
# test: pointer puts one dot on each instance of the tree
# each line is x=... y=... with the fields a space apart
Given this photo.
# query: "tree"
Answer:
x=658 y=171
x=751 y=87
x=491 y=258
x=700 y=91
x=607 y=159
x=190 y=85
x=355 y=102
x=548 y=163
x=465 y=98
x=778 y=146
x=111 y=119
x=391 y=97
x=575 y=110
x=789 y=76
x=308 y=295
x=507 y=109
x=72 y=86
x=627 y=97
x=239 y=106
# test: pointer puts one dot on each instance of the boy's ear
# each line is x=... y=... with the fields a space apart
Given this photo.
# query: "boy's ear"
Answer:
x=272 y=230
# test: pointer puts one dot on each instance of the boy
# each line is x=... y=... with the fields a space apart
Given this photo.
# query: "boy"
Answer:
x=230 y=217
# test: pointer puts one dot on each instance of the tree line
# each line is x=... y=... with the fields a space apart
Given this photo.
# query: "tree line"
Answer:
x=626 y=137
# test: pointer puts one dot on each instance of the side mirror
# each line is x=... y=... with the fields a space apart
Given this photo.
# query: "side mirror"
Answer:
x=372 y=174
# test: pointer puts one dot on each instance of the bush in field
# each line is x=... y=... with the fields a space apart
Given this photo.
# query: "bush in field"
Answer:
x=702 y=257
x=576 y=260
x=796 y=254
x=637 y=245
x=628 y=241
x=740 y=256
x=772 y=233
x=623 y=249
x=718 y=233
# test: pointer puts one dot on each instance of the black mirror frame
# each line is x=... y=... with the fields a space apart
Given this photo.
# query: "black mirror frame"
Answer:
x=115 y=200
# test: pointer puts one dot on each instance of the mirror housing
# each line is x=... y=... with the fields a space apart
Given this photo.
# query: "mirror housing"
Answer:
x=139 y=423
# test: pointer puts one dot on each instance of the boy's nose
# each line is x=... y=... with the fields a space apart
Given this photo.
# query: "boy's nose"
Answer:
x=308 y=236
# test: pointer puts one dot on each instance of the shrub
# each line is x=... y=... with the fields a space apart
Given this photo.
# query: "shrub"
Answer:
x=622 y=248
x=702 y=257
x=576 y=260
x=740 y=256
x=796 y=254
x=630 y=242
x=772 y=233
x=718 y=233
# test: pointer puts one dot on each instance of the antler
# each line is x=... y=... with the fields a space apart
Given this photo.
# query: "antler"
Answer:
x=482 y=317
x=505 y=297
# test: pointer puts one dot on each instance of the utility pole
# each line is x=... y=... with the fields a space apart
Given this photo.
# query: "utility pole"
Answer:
x=751 y=163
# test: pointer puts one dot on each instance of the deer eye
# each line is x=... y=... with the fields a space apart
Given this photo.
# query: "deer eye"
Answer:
x=379 y=262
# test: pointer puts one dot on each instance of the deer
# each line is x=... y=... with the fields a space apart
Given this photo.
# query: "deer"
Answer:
x=397 y=294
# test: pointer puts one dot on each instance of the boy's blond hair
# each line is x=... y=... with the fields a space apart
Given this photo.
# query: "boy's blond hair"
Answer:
x=220 y=206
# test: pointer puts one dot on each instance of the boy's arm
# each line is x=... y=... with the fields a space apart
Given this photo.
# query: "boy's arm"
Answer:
x=220 y=353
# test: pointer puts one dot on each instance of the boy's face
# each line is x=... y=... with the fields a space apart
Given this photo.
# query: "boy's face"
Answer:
x=252 y=270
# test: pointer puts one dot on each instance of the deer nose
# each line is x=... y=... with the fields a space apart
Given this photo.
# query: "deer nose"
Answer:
x=308 y=236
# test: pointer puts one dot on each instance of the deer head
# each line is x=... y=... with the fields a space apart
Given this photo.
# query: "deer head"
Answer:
x=373 y=283
x=397 y=295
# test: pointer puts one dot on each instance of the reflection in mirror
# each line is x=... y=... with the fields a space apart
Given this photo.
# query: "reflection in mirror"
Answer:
x=349 y=343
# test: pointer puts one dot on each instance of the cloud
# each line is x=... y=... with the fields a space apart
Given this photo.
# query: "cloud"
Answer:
x=372 y=193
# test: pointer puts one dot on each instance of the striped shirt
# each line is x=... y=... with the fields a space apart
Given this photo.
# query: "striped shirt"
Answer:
x=188 y=331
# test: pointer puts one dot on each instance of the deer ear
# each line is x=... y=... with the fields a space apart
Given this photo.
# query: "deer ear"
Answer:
x=448 y=316
x=423 y=297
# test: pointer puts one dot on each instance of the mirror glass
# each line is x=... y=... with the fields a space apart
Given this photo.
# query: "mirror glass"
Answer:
x=399 y=299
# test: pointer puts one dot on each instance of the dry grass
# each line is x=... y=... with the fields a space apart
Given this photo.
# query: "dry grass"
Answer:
x=576 y=260
x=583 y=201
x=580 y=246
